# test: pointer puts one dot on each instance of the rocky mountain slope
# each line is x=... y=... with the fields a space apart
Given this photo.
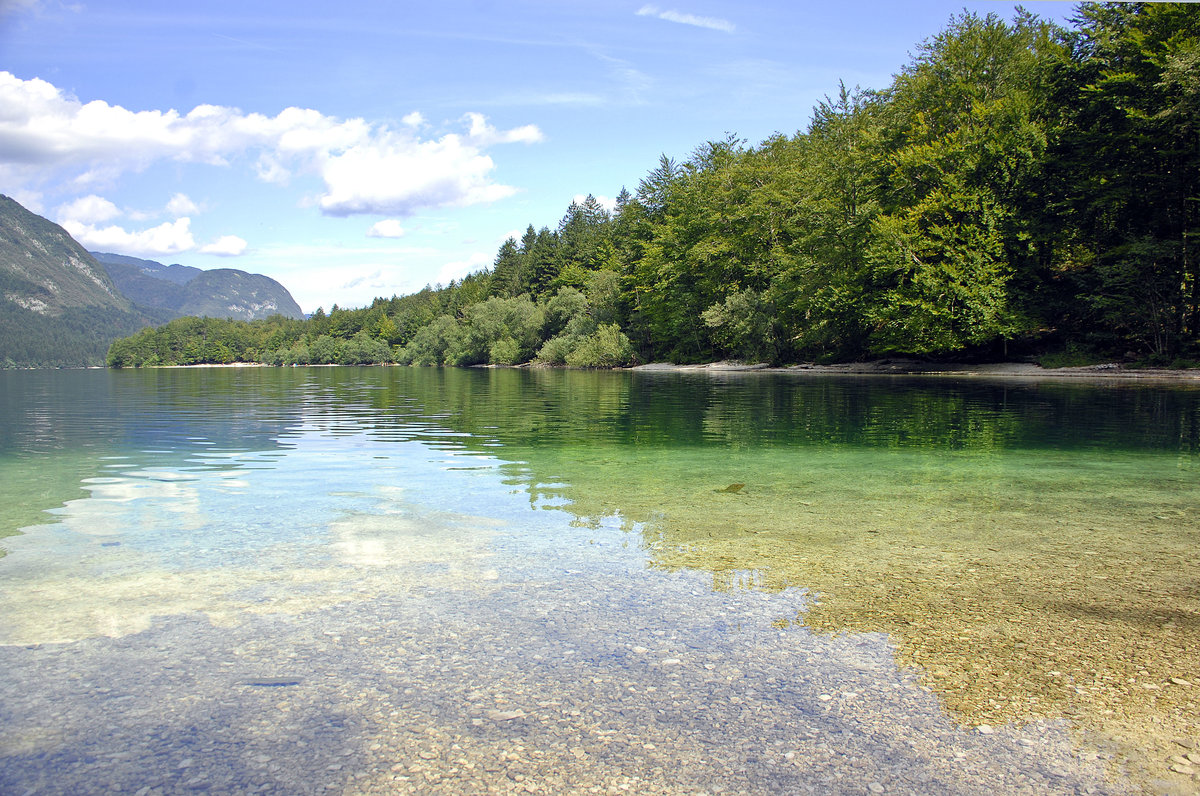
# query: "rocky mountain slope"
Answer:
x=44 y=270
x=58 y=307
x=61 y=307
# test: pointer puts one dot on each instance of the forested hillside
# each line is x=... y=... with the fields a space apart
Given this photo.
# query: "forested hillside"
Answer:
x=1019 y=189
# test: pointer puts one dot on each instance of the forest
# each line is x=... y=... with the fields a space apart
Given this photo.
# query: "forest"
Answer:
x=1020 y=190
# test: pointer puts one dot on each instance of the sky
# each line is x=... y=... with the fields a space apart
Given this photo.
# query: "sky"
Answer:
x=368 y=148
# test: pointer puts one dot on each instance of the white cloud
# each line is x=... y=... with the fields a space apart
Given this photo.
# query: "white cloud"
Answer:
x=181 y=205
x=170 y=237
x=365 y=167
x=225 y=246
x=30 y=200
x=269 y=169
x=393 y=175
x=388 y=228
x=414 y=119
x=90 y=209
x=567 y=98
x=484 y=134
x=14 y=6
x=711 y=23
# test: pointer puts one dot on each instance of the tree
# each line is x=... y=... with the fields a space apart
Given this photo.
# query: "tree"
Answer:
x=1127 y=193
x=654 y=191
x=543 y=261
x=961 y=140
x=507 y=271
x=825 y=283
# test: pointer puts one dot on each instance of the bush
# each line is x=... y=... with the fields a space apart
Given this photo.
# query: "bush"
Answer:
x=362 y=349
x=607 y=348
x=604 y=296
x=555 y=350
x=566 y=305
x=297 y=355
x=431 y=342
x=504 y=351
x=742 y=325
x=517 y=319
x=323 y=351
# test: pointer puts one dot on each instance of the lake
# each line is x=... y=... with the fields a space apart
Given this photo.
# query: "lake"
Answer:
x=394 y=580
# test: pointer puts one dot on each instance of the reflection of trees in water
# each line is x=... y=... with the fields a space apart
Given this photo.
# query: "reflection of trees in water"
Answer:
x=998 y=531
x=980 y=525
x=547 y=407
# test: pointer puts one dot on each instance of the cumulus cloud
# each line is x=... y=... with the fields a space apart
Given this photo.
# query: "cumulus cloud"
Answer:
x=484 y=134
x=388 y=228
x=364 y=167
x=170 y=237
x=225 y=246
x=181 y=205
x=397 y=176
x=712 y=23
x=90 y=209
x=414 y=119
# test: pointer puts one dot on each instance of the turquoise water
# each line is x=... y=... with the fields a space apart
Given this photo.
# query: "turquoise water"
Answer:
x=412 y=580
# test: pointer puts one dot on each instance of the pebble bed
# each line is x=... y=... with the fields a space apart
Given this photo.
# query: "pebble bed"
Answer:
x=584 y=675
x=241 y=629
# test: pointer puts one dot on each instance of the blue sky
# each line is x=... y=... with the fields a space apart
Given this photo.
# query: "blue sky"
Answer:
x=365 y=148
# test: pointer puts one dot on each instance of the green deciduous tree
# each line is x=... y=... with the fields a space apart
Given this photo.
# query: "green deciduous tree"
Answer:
x=962 y=140
x=1129 y=170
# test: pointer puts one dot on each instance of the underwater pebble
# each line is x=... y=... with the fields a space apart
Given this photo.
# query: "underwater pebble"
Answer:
x=416 y=690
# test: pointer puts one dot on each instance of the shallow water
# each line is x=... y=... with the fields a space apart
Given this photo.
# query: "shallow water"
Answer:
x=394 y=580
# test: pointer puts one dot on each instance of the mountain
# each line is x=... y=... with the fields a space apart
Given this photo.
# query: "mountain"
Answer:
x=44 y=270
x=61 y=307
x=183 y=290
x=58 y=306
x=179 y=274
x=227 y=293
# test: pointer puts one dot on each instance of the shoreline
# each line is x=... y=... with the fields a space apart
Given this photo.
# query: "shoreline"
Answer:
x=1105 y=372
x=911 y=367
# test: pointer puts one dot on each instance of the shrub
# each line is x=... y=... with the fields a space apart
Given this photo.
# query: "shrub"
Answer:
x=430 y=344
x=504 y=351
x=555 y=350
x=607 y=348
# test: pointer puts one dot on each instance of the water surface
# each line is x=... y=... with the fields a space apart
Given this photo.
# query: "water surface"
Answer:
x=393 y=580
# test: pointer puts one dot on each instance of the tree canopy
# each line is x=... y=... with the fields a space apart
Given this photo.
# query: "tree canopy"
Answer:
x=1019 y=188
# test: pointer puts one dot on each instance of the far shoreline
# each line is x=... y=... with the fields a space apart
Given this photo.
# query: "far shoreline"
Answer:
x=1104 y=372
x=911 y=367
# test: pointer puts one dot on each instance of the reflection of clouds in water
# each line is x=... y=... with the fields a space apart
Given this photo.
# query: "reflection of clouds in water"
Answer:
x=401 y=534
x=115 y=502
x=68 y=580
x=366 y=540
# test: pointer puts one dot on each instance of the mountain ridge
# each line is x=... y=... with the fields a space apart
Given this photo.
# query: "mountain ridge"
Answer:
x=185 y=290
x=62 y=306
